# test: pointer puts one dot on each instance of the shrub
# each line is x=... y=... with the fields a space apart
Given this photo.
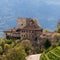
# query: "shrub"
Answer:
x=9 y=41
x=1 y=50
x=6 y=47
x=47 y=44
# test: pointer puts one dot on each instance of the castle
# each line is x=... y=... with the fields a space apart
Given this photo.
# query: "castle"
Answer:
x=27 y=28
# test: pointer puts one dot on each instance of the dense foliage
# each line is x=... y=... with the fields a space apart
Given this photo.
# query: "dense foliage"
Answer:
x=58 y=27
x=47 y=44
x=10 y=51
x=16 y=49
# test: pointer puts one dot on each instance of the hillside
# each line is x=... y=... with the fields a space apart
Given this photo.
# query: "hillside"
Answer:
x=53 y=54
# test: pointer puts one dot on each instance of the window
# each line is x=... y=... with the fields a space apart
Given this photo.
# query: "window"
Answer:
x=24 y=35
x=21 y=24
x=36 y=38
x=31 y=22
x=18 y=30
x=32 y=31
x=23 y=30
x=44 y=34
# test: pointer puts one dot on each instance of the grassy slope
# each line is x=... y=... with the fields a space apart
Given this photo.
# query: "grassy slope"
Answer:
x=53 y=54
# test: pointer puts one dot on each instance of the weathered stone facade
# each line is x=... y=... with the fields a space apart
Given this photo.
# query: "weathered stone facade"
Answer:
x=27 y=29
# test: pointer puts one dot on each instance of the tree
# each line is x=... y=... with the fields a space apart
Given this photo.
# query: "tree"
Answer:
x=55 y=39
x=6 y=47
x=58 y=27
x=1 y=40
x=3 y=45
x=47 y=44
x=1 y=50
x=16 y=53
x=45 y=30
x=9 y=41
x=26 y=45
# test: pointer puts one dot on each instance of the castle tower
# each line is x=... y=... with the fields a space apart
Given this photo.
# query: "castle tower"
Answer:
x=21 y=22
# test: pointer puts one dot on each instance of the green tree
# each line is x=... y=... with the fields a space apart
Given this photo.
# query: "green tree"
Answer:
x=55 y=39
x=47 y=44
x=9 y=41
x=1 y=50
x=1 y=40
x=58 y=27
x=16 y=53
x=3 y=43
x=6 y=47
x=27 y=46
x=45 y=30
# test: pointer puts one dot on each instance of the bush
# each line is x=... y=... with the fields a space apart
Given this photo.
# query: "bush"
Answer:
x=37 y=50
x=6 y=47
x=2 y=45
x=9 y=41
x=1 y=41
x=47 y=44
x=1 y=50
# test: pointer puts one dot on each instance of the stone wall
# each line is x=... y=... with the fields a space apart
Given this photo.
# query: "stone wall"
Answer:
x=21 y=22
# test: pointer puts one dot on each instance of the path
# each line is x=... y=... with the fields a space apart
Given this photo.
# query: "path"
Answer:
x=33 y=57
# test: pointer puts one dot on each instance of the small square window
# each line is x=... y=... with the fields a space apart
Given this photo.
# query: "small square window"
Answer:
x=21 y=24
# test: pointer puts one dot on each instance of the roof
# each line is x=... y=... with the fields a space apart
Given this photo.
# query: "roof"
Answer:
x=46 y=34
x=32 y=26
x=25 y=28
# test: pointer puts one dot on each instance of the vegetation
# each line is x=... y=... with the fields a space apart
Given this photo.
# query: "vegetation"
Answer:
x=16 y=49
x=47 y=44
x=52 y=46
x=45 y=30
x=16 y=53
x=58 y=27
x=11 y=50
x=27 y=46
x=53 y=54
x=19 y=49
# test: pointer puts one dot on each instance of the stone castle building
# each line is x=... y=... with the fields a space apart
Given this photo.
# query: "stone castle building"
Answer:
x=27 y=28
